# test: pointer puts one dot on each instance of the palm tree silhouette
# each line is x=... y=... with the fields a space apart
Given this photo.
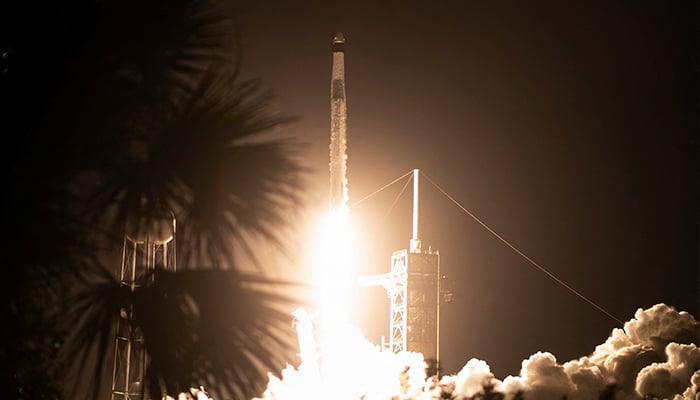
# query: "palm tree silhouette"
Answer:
x=153 y=120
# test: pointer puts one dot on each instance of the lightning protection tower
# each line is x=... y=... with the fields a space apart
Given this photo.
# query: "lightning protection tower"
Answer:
x=413 y=287
x=149 y=243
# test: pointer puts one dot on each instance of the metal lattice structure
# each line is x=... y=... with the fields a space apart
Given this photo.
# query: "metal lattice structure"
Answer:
x=140 y=257
x=422 y=304
x=396 y=290
x=413 y=288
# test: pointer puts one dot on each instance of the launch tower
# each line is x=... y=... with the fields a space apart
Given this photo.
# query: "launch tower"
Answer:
x=413 y=287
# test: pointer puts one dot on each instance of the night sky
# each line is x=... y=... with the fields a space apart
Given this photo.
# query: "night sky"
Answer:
x=570 y=129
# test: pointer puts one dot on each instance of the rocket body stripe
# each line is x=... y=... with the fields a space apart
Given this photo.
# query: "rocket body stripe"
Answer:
x=338 y=145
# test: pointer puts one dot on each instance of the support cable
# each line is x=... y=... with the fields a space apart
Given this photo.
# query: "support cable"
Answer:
x=396 y=200
x=515 y=249
x=362 y=200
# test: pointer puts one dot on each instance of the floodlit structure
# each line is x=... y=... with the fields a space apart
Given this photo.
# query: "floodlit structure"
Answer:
x=413 y=287
x=148 y=244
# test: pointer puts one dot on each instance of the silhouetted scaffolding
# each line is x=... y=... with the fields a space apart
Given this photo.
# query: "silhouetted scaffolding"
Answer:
x=142 y=254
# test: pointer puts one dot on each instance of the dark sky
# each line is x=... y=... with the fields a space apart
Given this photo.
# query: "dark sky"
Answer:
x=571 y=129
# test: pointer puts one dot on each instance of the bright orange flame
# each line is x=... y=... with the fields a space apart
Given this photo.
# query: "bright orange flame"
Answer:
x=334 y=262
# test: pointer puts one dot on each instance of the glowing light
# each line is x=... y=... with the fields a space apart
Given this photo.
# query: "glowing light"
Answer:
x=334 y=267
x=337 y=361
x=351 y=368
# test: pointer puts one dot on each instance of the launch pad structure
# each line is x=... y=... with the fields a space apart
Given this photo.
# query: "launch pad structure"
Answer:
x=413 y=288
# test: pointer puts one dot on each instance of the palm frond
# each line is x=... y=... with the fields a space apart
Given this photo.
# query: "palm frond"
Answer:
x=90 y=317
x=213 y=328
x=206 y=164
x=156 y=122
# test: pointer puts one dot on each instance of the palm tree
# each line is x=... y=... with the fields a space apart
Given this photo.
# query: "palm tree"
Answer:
x=155 y=120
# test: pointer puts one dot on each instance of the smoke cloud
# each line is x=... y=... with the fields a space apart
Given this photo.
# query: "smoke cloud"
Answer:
x=654 y=356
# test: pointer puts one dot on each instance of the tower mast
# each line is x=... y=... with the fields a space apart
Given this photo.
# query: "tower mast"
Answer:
x=415 y=242
x=338 y=146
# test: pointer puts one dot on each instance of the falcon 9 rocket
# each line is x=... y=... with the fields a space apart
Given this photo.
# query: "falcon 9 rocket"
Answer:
x=338 y=145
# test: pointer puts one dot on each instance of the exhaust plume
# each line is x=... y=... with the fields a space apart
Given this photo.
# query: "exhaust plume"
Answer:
x=654 y=356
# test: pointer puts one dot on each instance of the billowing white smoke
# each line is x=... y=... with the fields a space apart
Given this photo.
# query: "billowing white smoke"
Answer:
x=654 y=356
x=673 y=376
x=541 y=377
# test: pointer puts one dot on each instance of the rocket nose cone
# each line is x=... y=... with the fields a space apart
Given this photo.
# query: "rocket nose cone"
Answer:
x=339 y=38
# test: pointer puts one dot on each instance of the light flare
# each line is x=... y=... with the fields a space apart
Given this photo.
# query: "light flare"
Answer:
x=334 y=267
x=336 y=360
x=351 y=368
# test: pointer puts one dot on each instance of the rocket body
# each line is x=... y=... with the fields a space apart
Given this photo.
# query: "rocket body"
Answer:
x=338 y=146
